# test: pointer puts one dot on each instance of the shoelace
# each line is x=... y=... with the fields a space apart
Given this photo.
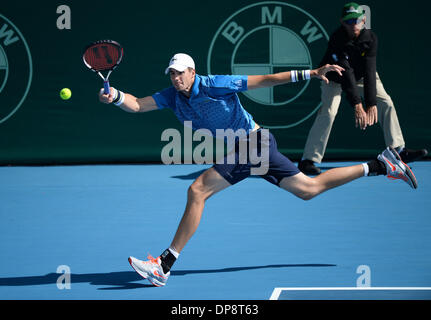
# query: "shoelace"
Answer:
x=151 y=259
x=155 y=261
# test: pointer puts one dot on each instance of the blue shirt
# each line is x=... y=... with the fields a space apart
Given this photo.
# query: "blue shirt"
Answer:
x=213 y=103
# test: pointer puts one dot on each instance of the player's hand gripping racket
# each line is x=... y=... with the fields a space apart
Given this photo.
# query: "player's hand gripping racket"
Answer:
x=103 y=55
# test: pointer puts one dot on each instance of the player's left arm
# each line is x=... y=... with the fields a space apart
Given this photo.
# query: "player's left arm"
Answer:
x=275 y=79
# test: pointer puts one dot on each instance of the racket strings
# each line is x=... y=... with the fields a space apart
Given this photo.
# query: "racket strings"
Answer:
x=103 y=56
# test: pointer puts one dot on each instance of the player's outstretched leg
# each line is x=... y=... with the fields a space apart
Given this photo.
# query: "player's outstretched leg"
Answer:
x=388 y=163
x=157 y=270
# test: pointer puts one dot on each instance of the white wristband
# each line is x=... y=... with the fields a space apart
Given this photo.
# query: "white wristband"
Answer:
x=119 y=98
x=293 y=76
x=299 y=75
x=114 y=92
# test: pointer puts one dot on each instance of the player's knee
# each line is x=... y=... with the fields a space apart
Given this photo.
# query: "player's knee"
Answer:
x=302 y=186
x=306 y=196
x=196 y=192
x=193 y=192
x=309 y=191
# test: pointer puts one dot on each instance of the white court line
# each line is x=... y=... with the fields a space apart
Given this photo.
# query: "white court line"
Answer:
x=277 y=291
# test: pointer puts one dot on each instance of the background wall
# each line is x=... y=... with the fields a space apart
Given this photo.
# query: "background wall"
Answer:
x=47 y=130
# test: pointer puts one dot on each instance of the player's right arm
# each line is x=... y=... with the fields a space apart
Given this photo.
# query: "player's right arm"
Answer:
x=130 y=103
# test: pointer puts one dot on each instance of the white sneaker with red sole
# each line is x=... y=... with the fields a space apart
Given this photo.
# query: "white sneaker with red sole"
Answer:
x=396 y=168
x=151 y=270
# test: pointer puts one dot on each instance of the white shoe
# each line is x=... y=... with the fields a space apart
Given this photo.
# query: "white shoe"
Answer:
x=151 y=270
x=396 y=168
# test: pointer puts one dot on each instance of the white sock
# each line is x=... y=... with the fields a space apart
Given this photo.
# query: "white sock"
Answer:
x=366 y=169
x=175 y=253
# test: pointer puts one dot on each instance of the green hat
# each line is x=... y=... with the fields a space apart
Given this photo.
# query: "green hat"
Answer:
x=352 y=10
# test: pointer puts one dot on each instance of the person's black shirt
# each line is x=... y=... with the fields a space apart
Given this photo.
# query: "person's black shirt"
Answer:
x=358 y=57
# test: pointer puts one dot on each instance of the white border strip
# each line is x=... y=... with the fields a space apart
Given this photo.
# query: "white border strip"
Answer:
x=277 y=291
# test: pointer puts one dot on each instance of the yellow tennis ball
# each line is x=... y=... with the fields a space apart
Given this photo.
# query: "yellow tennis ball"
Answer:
x=65 y=93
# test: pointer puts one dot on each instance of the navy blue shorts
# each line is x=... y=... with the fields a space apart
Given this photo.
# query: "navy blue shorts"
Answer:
x=278 y=165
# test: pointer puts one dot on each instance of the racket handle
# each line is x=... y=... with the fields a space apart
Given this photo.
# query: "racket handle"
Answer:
x=106 y=87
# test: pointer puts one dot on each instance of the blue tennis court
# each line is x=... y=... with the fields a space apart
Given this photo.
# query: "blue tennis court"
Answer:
x=353 y=293
x=253 y=237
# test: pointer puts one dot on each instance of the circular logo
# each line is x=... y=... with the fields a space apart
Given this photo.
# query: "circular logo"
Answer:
x=265 y=38
x=16 y=69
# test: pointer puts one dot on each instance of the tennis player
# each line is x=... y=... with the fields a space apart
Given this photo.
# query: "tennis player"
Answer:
x=212 y=102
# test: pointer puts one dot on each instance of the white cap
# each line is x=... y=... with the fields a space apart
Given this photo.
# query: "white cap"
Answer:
x=180 y=62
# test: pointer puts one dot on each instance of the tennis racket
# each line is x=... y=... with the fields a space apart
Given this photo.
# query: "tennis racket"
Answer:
x=103 y=55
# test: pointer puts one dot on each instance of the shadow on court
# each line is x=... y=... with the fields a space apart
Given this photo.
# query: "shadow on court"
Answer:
x=190 y=176
x=125 y=279
x=194 y=175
